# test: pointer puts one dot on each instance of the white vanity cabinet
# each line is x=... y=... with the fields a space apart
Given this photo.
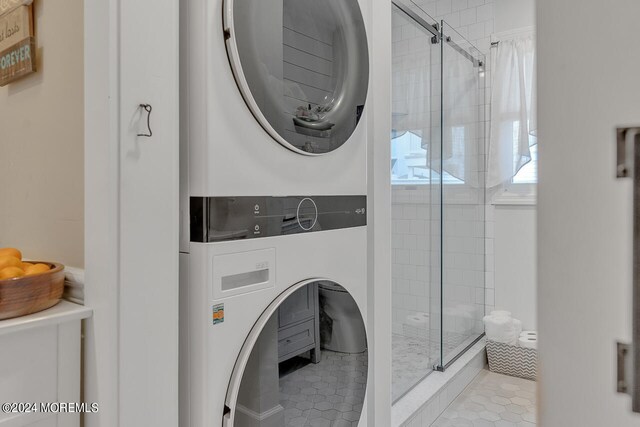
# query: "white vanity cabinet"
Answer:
x=40 y=360
x=299 y=324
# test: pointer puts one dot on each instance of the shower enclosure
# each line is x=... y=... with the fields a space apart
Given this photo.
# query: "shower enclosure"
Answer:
x=438 y=195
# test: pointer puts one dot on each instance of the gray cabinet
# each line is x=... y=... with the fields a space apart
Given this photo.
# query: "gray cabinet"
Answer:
x=299 y=324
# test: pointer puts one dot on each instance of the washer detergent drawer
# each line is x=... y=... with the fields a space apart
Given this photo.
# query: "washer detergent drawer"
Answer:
x=296 y=339
x=243 y=272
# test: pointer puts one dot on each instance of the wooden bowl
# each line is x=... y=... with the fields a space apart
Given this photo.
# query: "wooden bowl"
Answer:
x=29 y=294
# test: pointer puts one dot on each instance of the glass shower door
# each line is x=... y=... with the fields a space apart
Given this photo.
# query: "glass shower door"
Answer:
x=438 y=196
x=415 y=135
x=462 y=198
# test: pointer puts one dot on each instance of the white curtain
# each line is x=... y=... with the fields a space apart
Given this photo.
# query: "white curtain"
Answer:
x=513 y=107
x=460 y=138
x=412 y=89
x=411 y=100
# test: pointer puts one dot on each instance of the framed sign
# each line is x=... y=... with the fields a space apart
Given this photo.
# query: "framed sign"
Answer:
x=15 y=26
x=17 y=43
x=8 y=5
x=17 y=61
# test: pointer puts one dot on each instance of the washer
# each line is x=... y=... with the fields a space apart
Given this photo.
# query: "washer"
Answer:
x=253 y=320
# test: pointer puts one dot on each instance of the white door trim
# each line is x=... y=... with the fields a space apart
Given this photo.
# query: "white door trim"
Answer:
x=118 y=340
x=379 y=201
x=102 y=128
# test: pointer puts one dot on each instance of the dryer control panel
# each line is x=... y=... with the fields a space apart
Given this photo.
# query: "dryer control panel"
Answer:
x=217 y=219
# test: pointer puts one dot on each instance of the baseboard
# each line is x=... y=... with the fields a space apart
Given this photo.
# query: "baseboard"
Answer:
x=270 y=417
x=74 y=285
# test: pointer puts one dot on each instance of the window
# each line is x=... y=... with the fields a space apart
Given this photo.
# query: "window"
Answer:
x=521 y=189
x=511 y=160
x=410 y=164
x=528 y=174
x=408 y=159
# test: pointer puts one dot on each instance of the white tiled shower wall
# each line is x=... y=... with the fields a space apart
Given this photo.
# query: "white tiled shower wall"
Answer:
x=411 y=255
x=412 y=208
x=415 y=221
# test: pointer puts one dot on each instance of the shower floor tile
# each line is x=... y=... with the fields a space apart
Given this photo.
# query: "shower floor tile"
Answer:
x=327 y=394
x=493 y=400
x=413 y=358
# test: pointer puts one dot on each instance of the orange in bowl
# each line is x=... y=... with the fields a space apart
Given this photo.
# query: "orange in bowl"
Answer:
x=36 y=269
x=11 y=272
x=10 y=252
x=9 y=261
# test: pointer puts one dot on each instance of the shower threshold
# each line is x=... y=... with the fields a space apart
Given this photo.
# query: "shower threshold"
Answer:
x=415 y=358
x=431 y=396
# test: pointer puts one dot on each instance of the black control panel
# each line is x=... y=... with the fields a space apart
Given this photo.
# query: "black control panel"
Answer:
x=217 y=219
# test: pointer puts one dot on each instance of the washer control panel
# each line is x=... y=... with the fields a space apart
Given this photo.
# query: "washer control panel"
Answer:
x=217 y=219
x=307 y=214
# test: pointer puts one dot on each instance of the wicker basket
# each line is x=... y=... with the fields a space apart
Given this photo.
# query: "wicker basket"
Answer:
x=511 y=360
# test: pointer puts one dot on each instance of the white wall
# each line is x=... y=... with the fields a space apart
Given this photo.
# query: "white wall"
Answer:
x=515 y=261
x=511 y=260
x=586 y=87
x=41 y=142
x=513 y=14
x=473 y=19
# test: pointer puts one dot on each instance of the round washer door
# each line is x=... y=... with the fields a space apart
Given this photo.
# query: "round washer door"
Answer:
x=302 y=67
x=284 y=375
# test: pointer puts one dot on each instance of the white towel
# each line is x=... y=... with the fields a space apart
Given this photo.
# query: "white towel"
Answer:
x=518 y=326
x=501 y=313
x=528 y=342
x=500 y=329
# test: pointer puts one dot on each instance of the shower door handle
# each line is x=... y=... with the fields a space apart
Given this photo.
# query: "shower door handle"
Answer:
x=628 y=166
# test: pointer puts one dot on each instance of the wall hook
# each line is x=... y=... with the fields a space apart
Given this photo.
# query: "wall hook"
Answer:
x=148 y=109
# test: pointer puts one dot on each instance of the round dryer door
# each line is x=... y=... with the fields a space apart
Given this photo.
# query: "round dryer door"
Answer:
x=304 y=362
x=302 y=67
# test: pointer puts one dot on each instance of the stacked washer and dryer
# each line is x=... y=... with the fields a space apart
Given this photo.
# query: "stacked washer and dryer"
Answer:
x=273 y=252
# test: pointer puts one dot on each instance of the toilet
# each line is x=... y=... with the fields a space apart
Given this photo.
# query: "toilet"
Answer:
x=341 y=325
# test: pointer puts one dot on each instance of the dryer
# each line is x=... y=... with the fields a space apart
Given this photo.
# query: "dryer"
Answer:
x=274 y=96
x=274 y=301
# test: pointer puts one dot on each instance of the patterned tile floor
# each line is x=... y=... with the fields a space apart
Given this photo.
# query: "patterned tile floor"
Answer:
x=327 y=394
x=414 y=357
x=412 y=360
x=493 y=400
